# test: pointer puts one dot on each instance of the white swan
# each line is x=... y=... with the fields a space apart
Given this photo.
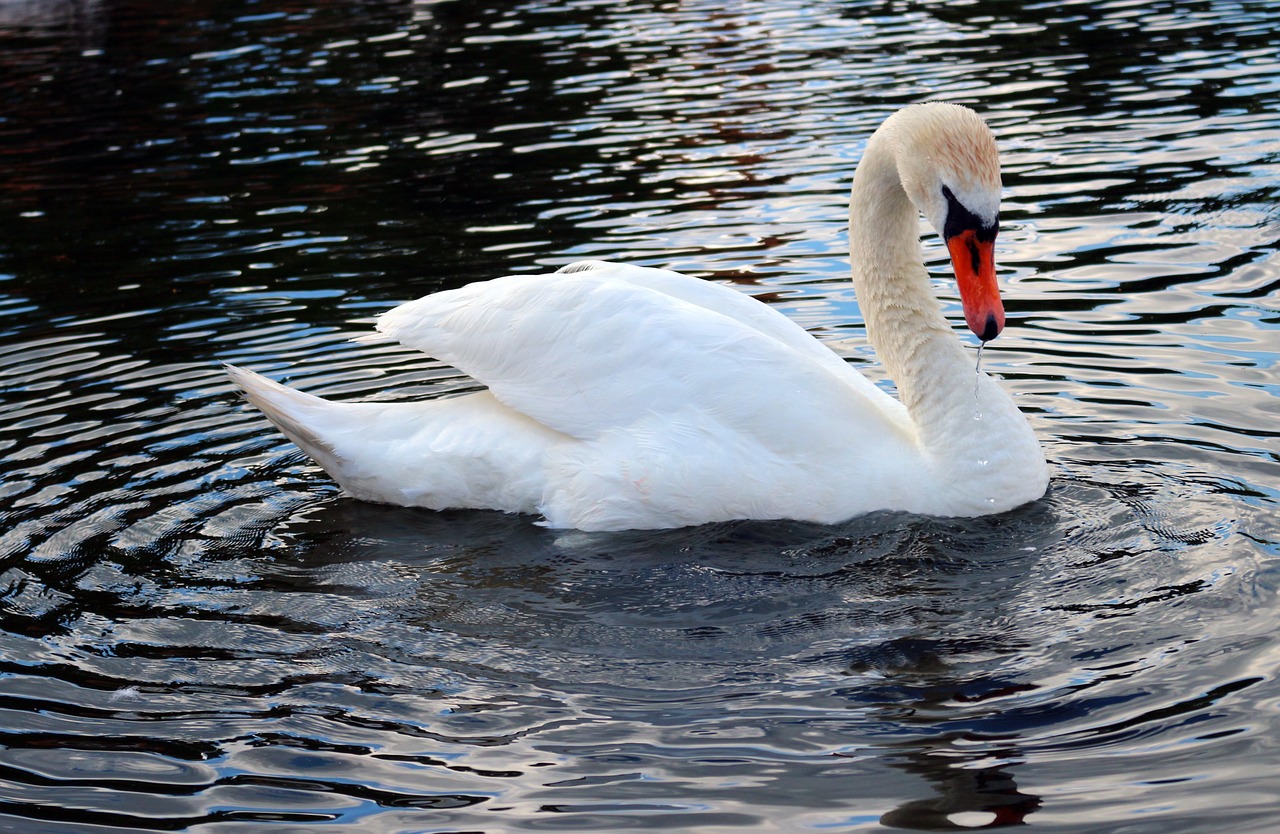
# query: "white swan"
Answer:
x=623 y=397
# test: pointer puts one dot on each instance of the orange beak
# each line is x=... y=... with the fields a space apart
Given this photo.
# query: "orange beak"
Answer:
x=974 y=263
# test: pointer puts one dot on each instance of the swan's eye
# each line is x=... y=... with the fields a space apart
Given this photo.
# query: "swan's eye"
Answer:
x=960 y=219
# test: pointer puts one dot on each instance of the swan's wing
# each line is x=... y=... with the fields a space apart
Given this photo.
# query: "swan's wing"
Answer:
x=587 y=350
x=729 y=302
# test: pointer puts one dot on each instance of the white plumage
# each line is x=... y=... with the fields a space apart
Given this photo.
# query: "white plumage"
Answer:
x=624 y=397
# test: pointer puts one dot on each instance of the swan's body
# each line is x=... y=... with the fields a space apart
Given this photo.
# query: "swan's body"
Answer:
x=623 y=397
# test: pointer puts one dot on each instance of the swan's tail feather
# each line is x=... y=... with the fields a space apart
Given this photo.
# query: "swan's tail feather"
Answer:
x=293 y=412
x=374 y=337
x=468 y=451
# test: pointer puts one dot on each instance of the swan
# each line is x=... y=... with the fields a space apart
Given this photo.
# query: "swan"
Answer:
x=625 y=397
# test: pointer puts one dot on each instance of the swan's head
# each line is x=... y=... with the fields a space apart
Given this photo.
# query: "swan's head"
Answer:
x=950 y=169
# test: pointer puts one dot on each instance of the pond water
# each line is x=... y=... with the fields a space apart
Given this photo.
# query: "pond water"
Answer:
x=200 y=633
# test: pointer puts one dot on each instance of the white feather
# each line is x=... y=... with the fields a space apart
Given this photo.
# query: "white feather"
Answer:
x=628 y=397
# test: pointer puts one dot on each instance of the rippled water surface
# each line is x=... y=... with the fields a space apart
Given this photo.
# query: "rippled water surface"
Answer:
x=199 y=633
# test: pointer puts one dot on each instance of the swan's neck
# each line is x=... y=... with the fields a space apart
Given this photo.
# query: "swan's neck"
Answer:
x=919 y=349
x=980 y=450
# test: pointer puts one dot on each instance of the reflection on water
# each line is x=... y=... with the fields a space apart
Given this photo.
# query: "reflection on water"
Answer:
x=198 y=629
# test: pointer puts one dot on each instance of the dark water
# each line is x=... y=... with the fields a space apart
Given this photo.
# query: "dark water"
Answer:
x=200 y=634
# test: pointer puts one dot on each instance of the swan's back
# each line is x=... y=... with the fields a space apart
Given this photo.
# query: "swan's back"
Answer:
x=597 y=346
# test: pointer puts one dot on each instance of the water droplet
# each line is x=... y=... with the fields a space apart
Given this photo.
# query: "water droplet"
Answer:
x=977 y=372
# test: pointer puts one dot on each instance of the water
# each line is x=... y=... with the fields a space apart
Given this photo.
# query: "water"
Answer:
x=200 y=634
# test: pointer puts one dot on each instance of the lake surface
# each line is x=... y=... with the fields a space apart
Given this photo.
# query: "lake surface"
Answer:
x=199 y=633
